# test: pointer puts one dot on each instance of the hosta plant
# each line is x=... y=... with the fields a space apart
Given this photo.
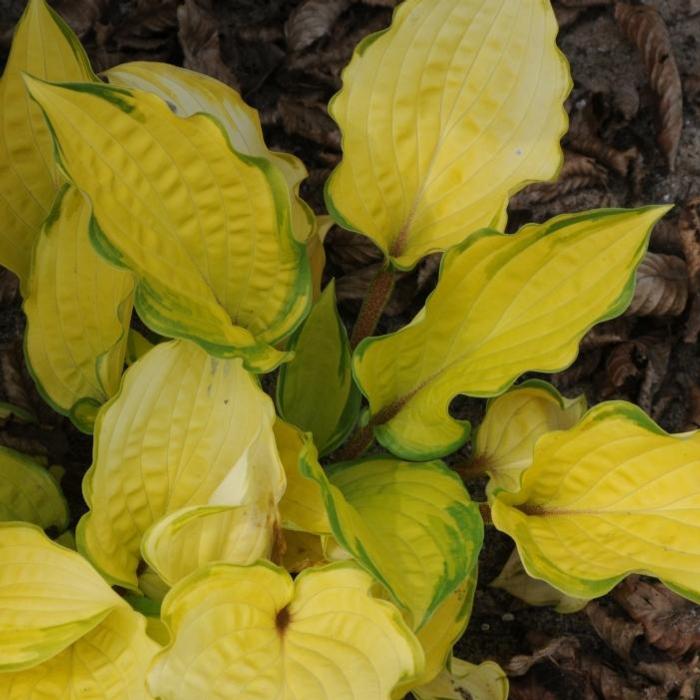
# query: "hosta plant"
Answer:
x=315 y=545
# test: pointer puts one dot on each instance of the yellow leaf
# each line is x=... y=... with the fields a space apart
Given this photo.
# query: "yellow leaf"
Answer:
x=516 y=581
x=51 y=597
x=109 y=663
x=188 y=93
x=411 y=525
x=257 y=634
x=445 y=627
x=487 y=681
x=302 y=507
x=504 y=304
x=28 y=492
x=185 y=429
x=205 y=229
x=611 y=496
x=315 y=390
x=78 y=309
x=45 y=47
x=137 y=345
x=317 y=253
x=446 y=114
x=514 y=421
x=181 y=542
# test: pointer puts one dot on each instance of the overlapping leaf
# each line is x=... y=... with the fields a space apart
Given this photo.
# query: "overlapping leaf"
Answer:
x=302 y=507
x=28 y=492
x=255 y=632
x=320 y=375
x=514 y=421
x=444 y=115
x=51 y=597
x=45 y=47
x=445 y=627
x=186 y=429
x=504 y=304
x=109 y=663
x=206 y=230
x=487 y=681
x=78 y=309
x=181 y=542
x=411 y=525
x=188 y=93
x=613 y=495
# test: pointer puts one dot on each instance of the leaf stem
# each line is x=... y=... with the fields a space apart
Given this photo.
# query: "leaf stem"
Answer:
x=377 y=297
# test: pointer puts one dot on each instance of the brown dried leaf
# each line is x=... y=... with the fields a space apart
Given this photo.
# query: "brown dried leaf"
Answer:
x=199 y=37
x=658 y=353
x=566 y=16
x=623 y=363
x=15 y=388
x=9 y=286
x=662 y=287
x=586 y=363
x=349 y=250
x=582 y=137
x=380 y=3
x=689 y=233
x=312 y=20
x=528 y=688
x=558 y=650
x=609 y=332
x=81 y=16
x=694 y=408
x=617 y=632
x=665 y=238
x=308 y=119
x=669 y=622
x=578 y=172
x=645 y=27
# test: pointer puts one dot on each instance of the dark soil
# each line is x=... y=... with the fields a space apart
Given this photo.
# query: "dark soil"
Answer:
x=286 y=61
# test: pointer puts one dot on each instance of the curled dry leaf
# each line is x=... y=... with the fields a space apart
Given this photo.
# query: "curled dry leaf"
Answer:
x=584 y=4
x=577 y=173
x=645 y=27
x=312 y=20
x=582 y=137
x=557 y=649
x=615 y=630
x=693 y=417
x=308 y=119
x=199 y=38
x=669 y=622
x=662 y=286
x=566 y=16
x=349 y=250
x=586 y=363
x=623 y=363
x=689 y=233
x=81 y=16
x=665 y=238
x=610 y=332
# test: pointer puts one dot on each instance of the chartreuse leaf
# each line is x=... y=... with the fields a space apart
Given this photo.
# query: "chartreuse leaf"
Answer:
x=504 y=304
x=181 y=542
x=487 y=681
x=109 y=663
x=315 y=391
x=444 y=115
x=205 y=229
x=51 y=597
x=28 y=492
x=445 y=627
x=411 y=525
x=512 y=425
x=188 y=93
x=302 y=507
x=612 y=495
x=137 y=345
x=78 y=309
x=258 y=634
x=185 y=429
x=533 y=591
x=43 y=46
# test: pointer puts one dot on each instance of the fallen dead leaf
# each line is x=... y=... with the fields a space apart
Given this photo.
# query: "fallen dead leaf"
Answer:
x=312 y=20
x=669 y=622
x=645 y=27
x=199 y=37
x=578 y=172
x=662 y=286
x=309 y=119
